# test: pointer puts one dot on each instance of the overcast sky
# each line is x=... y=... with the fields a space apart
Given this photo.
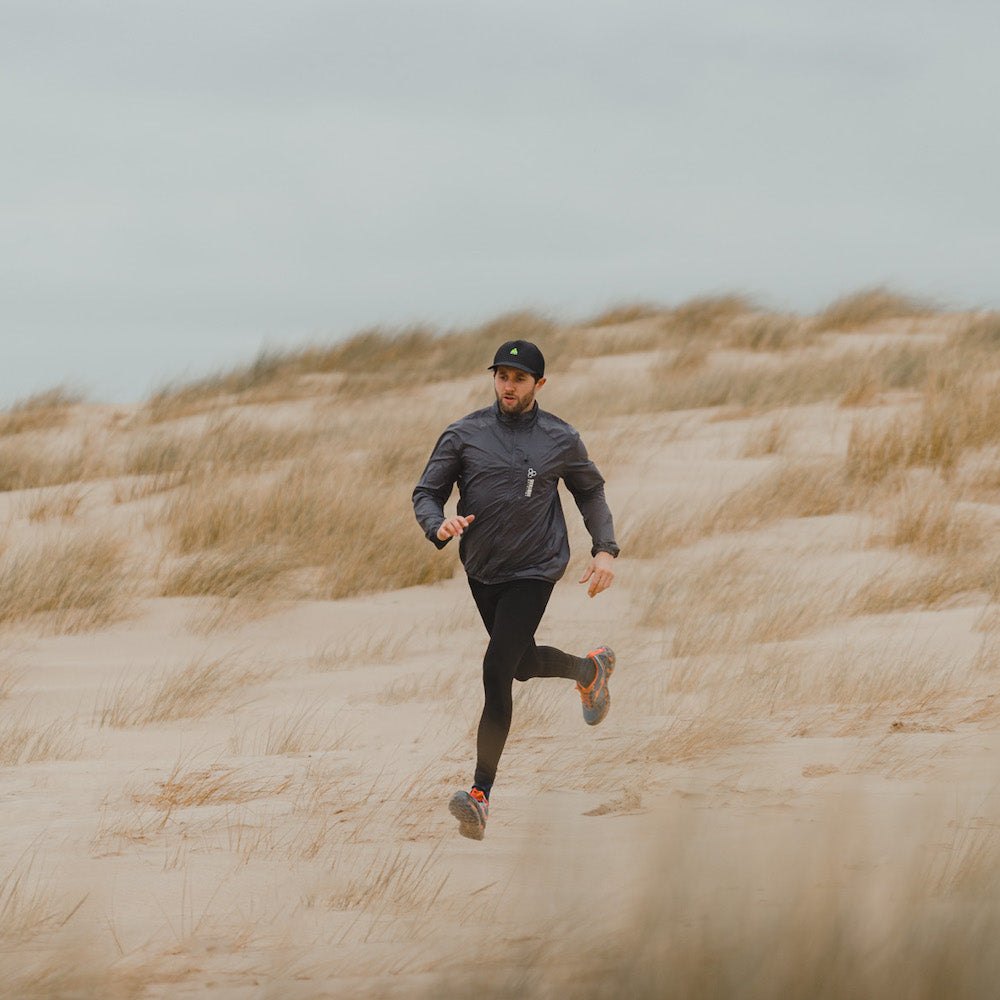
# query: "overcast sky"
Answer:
x=186 y=182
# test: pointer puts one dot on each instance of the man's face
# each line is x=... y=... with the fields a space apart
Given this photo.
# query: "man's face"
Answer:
x=515 y=389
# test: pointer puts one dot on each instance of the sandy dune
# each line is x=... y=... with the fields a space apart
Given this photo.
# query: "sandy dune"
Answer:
x=795 y=792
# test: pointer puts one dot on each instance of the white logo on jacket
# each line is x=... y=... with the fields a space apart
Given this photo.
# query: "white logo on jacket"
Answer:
x=531 y=482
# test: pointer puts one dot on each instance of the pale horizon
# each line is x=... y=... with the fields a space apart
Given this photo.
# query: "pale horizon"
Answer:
x=188 y=185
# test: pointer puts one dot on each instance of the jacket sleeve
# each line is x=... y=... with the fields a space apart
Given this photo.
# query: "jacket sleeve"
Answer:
x=586 y=484
x=436 y=484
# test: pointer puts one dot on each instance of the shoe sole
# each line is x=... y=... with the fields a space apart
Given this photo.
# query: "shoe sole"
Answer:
x=469 y=822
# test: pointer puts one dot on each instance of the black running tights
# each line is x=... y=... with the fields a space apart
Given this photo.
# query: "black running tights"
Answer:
x=511 y=612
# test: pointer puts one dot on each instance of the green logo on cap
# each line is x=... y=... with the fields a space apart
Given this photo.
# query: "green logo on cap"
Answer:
x=514 y=351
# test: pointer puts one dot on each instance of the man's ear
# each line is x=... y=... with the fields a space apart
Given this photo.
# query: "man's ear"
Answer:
x=539 y=383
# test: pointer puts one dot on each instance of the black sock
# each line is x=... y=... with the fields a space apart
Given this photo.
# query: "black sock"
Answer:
x=484 y=789
x=588 y=671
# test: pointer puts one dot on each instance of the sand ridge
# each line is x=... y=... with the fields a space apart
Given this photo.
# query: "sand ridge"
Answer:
x=236 y=785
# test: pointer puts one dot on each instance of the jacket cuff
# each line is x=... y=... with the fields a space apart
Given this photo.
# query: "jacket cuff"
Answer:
x=431 y=536
x=608 y=547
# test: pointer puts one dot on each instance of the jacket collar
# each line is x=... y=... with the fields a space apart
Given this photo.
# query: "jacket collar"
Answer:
x=521 y=420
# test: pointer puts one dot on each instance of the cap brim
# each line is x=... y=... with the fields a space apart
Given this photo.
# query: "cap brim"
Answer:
x=513 y=364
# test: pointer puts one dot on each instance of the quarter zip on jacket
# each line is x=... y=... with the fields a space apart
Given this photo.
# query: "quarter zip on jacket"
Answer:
x=519 y=428
x=516 y=427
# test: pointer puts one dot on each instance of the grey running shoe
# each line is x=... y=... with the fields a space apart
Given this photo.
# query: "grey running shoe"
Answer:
x=596 y=698
x=471 y=809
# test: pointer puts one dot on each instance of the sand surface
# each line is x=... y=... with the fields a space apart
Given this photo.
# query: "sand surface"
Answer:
x=290 y=836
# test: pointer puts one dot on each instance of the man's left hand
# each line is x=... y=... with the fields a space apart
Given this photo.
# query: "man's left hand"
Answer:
x=599 y=573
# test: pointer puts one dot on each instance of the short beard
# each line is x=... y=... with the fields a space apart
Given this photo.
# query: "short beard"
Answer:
x=520 y=407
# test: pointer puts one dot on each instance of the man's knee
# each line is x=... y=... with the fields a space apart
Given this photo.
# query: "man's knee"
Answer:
x=496 y=687
x=524 y=671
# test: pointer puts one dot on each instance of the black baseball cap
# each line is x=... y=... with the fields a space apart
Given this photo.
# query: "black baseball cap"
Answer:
x=520 y=354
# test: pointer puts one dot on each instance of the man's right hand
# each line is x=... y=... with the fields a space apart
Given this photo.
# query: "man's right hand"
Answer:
x=454 y=526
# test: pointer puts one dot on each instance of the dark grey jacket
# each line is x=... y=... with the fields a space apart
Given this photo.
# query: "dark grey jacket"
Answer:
x=508 y=471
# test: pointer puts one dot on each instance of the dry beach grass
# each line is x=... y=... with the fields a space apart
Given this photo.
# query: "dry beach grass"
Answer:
x=238 y=686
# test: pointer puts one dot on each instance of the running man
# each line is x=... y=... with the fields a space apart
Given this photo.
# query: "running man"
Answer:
x=507 y=460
